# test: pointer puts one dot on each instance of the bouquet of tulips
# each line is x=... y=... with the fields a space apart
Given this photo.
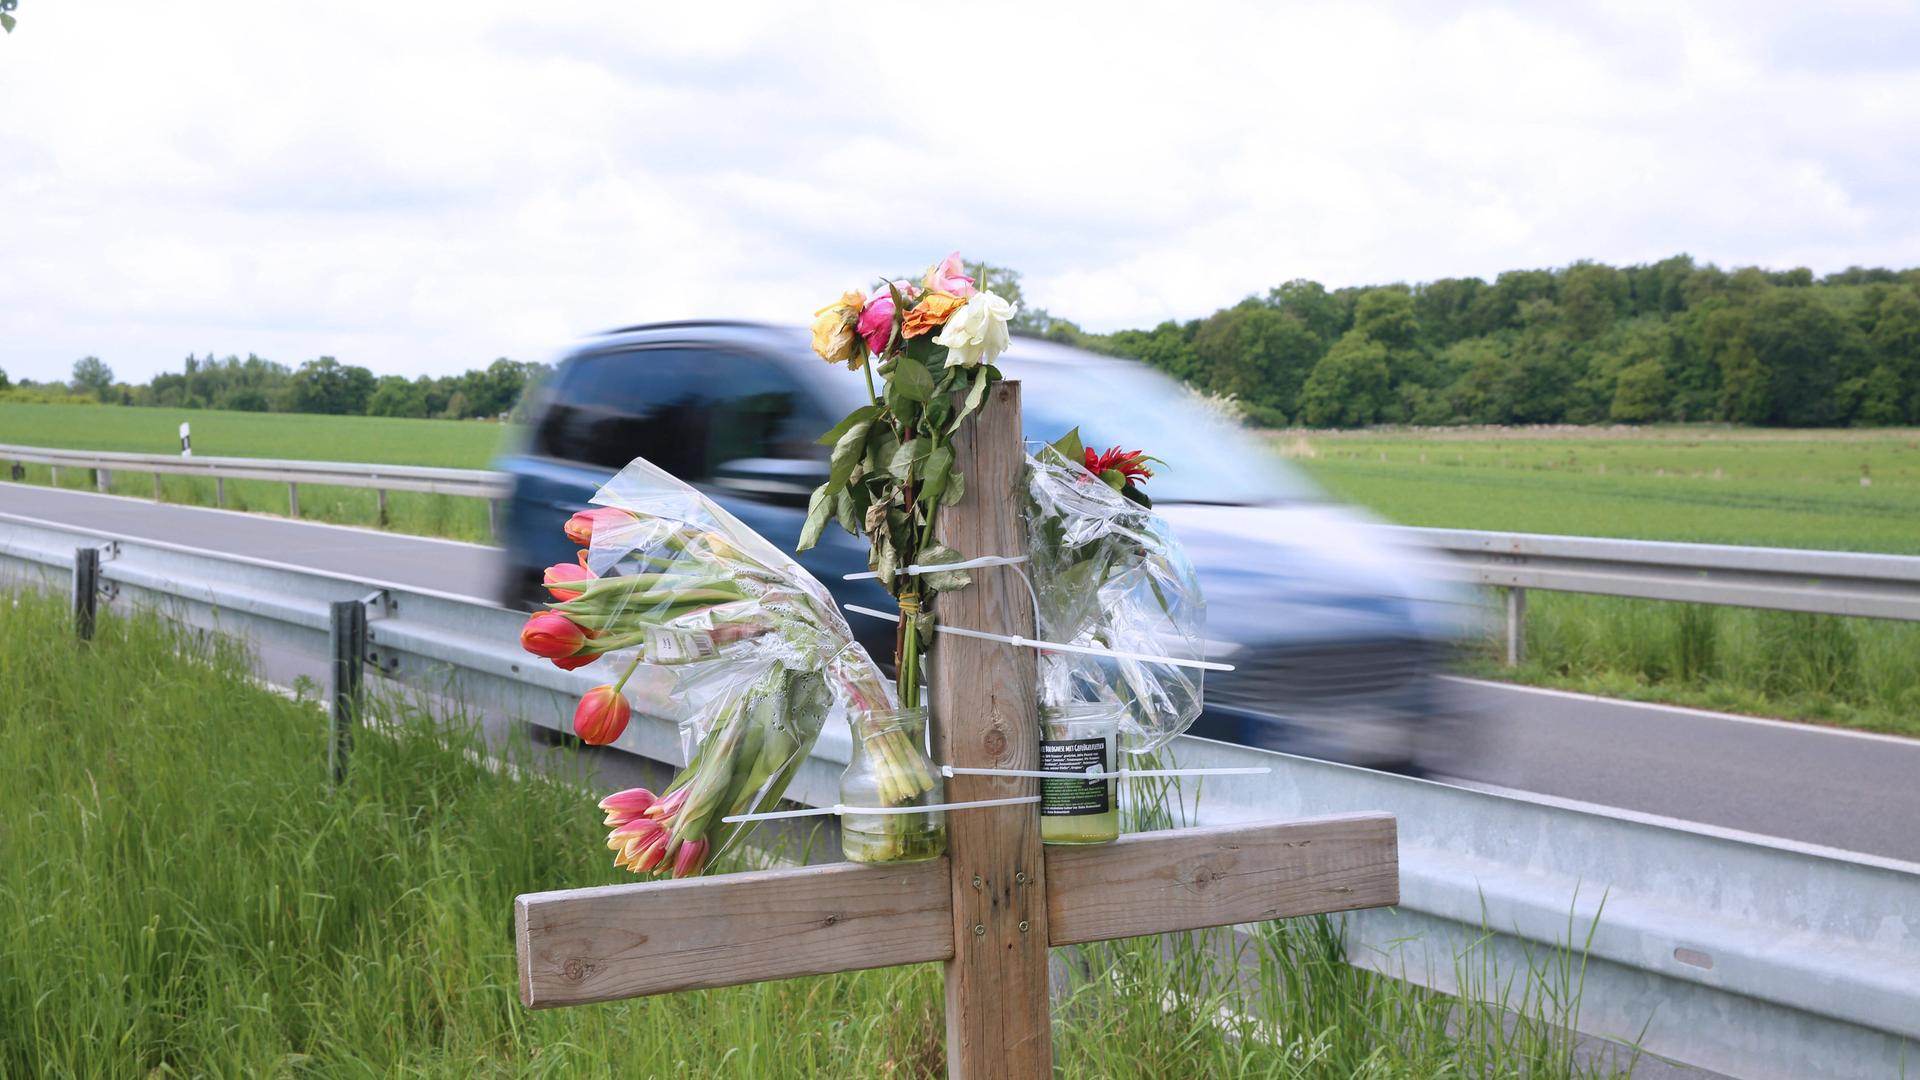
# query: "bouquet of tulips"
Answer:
x=1107 y=572
x=712 y=626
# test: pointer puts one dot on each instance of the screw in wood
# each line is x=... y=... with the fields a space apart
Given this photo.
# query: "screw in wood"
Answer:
x=979 y=929
x=1020 y=877
x=976 y=881
x=1023 y=926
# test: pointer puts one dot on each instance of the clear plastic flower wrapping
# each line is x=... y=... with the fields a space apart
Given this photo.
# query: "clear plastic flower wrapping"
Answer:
x=1107 y=572
x=742 y=648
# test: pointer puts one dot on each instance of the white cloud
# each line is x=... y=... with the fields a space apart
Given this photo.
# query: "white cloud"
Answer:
x=424 y=186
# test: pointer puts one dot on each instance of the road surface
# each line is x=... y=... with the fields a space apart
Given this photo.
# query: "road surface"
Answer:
x=1839 y=789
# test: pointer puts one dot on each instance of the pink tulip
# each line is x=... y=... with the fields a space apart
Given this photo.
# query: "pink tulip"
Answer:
x=668 y=805
x=579 y=528
x=949 y=276
x=563 y=580
x=628 y=805
x=876 y=322
x=601 y=716
x=551 y=634
x=691 y=858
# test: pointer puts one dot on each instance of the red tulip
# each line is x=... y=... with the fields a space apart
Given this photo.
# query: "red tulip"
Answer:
x=552 y=634
x=563 y=580
x=602 y=715
x=691 y=859
x=579 y=527
x=628 y=805
x=570 y=663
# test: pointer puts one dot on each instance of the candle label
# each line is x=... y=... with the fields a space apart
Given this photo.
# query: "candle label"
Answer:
x=1070 y=796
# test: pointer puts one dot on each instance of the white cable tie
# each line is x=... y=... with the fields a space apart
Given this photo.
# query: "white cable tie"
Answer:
x=1055 y=646
x=840 y=809
x=921 y=568
x=951 y=771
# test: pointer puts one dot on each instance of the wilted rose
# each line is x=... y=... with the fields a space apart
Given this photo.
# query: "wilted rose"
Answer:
x=977 y=333
x=930 y=313
x=876 y=321
x=949 y=276
x=834 y=338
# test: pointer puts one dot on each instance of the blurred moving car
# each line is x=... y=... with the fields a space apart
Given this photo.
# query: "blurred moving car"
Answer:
x=1337 y=642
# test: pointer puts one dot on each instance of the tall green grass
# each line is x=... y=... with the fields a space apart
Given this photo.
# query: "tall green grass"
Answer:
x=183 y=893
x=1861 y=673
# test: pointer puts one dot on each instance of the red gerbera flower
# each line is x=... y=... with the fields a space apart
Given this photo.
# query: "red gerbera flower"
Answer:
x=1130 y=464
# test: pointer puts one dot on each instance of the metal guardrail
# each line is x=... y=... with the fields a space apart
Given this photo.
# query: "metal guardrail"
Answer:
x=1748 y=956
x=1779 y=579
x=473 y=483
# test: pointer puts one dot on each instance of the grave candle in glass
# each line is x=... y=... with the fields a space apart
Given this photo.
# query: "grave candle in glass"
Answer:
x=1076 y=739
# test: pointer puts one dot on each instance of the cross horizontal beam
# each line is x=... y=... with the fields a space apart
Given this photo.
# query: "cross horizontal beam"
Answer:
x=619 y=941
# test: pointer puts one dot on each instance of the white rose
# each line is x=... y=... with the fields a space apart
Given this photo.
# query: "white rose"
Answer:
x=977 y=332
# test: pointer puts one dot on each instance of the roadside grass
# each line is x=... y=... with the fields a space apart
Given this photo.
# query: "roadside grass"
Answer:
x=182 y=892
x=1850 y=672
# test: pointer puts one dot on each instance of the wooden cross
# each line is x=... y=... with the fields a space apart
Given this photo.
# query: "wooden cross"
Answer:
x=998 y=900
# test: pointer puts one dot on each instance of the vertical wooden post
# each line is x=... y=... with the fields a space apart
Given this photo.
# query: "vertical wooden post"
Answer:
x=219 y=491
x=983 y=698
x=293 y=499
x=1516 y=625
x=86 y=591
x=347 y=643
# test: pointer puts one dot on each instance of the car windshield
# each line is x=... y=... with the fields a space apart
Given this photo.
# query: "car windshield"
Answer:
x=1117 y=402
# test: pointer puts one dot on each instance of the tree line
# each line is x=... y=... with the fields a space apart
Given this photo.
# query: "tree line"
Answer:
x=322 y=385
x=1587 y=343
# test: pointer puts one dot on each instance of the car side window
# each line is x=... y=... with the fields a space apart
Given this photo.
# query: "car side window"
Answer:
x=687 y=409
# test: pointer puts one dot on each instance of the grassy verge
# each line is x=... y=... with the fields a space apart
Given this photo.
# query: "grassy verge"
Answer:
x=1857 y=673
x=182 y=893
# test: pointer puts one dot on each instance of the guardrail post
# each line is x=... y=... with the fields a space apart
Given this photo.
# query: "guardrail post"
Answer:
x=293 y=499
x=86 y=591
x=103 y=480
x=156 y=488
x=492 y=512
x=220 y=491
x=1516 y=625
x=380 y=495
x=347 y=643
x=53 y=475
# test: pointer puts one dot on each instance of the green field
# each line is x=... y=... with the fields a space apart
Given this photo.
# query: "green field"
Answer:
x=184 y=893
x=449 y=443
x=1701 y=484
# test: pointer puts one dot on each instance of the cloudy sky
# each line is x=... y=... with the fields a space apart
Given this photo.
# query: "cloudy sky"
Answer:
x=420 y=187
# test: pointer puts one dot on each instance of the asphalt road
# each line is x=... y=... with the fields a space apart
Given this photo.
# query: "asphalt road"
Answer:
x=1815 y=785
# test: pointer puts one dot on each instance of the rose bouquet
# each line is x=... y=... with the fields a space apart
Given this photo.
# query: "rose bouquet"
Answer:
x=717 y=629
x=892 y=467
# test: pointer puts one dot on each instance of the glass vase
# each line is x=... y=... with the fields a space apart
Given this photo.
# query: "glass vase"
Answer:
x=889 y=770
x=1076 y=739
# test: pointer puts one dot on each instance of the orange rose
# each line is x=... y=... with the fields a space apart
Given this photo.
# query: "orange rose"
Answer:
x=932 y=310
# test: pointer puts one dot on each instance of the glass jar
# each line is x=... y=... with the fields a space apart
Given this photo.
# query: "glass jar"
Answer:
x=889 y=769
x=1075 y=739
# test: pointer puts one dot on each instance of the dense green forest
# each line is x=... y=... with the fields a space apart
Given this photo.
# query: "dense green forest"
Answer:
x=1587 y=343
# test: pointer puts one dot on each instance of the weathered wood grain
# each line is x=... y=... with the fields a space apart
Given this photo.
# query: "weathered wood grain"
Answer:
x=1185 y=879
x=620 y=941
x=985 y=716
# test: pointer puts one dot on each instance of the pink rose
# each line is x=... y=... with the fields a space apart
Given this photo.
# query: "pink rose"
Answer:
x=949 y=276
x=876 y=322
